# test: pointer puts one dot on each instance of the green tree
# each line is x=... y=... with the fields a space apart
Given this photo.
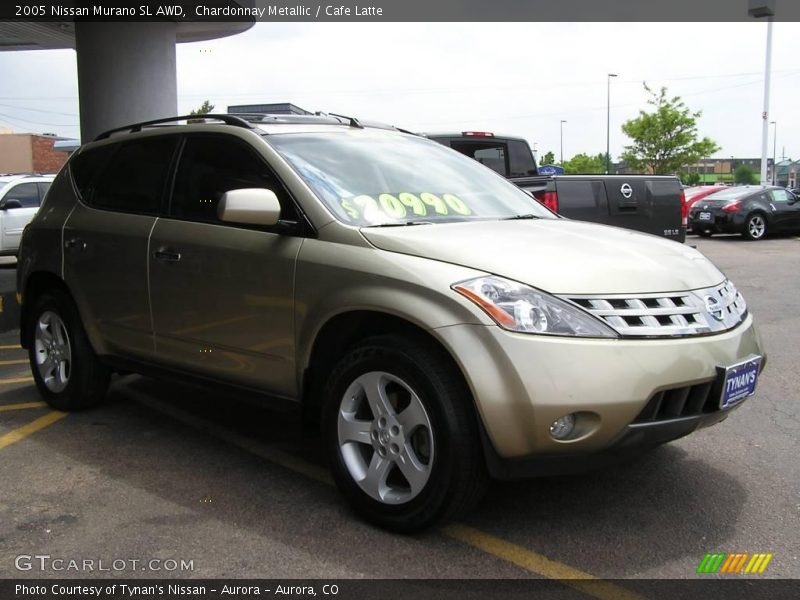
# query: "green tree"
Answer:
x=583 y=164
x=548 y=159
x=666 y=139
x=744 y=174
x=205 y=108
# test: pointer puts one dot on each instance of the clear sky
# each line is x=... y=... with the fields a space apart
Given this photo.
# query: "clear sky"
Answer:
x=514 y=78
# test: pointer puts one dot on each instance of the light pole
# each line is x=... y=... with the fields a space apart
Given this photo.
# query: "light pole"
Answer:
x=774 y=152
x=608 y=123
x=562 y=141
x=760 y=9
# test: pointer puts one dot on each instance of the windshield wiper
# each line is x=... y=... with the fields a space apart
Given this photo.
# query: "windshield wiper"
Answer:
x=403 y=224
x=521 y=217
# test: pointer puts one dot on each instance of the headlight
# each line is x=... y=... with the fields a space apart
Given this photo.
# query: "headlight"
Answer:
x=523 y=309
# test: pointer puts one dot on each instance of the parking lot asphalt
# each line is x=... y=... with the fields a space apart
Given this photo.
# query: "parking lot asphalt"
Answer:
x=167 y=471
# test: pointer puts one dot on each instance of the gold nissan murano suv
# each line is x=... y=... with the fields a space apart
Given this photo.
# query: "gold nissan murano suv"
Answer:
x=435 y=322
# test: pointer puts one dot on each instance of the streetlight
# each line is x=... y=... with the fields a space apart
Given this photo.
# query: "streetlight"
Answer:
x=760 y=9
x=562 y=141
x=774 y=152
x=608 y=124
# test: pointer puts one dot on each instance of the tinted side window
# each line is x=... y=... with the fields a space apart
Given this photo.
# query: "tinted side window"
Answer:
x=211 y=165
x=135 y=177
x=779 y=195
x=520 y=159
x=490 y=154
x=26 y=193
x=87 y=165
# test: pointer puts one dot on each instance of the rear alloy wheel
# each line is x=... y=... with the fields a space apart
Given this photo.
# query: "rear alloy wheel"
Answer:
x=65 y=368
x=402 y=433
x=53 y=351
x=755 y=227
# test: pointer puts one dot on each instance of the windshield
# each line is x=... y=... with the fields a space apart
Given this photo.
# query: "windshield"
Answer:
x=368 y=177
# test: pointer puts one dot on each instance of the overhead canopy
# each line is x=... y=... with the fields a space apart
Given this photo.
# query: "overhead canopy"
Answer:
x=20 y=35
x=126 y=69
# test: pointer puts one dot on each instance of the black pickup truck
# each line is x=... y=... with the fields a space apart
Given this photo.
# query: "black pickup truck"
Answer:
x=652 y=204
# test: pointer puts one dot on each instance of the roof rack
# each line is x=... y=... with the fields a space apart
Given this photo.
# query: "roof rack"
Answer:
x=250 y=120
x=236 y=121
x=353 y=121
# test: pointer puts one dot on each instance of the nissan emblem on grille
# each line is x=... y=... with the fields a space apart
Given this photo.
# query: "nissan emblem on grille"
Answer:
x=714 y=308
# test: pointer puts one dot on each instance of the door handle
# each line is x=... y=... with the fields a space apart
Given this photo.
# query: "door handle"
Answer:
x=167 y=255
x=75 y=244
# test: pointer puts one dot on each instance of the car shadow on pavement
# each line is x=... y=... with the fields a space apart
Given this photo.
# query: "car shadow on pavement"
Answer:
x=161 y=484
x=9 y=308
x=624 y=520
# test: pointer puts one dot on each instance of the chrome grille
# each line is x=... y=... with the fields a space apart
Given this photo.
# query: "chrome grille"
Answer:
x=696 y=312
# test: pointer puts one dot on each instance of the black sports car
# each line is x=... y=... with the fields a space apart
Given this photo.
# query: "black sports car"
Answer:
x=752 y=210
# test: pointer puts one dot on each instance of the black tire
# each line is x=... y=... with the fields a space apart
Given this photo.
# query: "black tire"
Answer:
x=752 y=230
x=457 y=477
x=704 y=233
x=87 y=379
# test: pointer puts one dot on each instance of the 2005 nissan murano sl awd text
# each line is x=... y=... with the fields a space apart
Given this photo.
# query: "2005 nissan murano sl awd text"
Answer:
x=434 y=321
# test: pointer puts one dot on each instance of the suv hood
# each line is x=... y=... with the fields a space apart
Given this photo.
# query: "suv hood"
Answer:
x=557 y=255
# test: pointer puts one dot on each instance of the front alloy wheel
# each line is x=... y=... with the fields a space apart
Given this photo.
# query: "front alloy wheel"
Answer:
x=402 y=433
x=385 y=437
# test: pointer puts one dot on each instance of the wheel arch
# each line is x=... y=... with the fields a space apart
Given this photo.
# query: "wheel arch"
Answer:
x=343 y=331
x=36 y=284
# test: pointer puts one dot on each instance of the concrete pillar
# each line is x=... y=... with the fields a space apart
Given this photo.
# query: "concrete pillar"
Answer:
x=126 y=73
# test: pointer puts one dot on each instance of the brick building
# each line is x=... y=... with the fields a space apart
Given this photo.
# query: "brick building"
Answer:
x=30 y=153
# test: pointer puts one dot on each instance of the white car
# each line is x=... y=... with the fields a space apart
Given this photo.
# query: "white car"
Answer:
x=20 y=198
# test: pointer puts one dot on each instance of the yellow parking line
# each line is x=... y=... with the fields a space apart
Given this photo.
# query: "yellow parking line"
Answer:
x=536 y=563
x=12 y=347
x=16 y=380
x=19 y=434
x=20 y=361
x=517 y=555
x=21 y=406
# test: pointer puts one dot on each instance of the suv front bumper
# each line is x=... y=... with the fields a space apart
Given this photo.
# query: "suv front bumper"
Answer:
x=522 y=383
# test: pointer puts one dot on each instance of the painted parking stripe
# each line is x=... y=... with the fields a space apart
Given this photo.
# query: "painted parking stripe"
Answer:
x=21 y=406
x=494 y=546
x=12 y=347
x=19 y=361
x=537 y=563
x=15 y=380
x=21 y=433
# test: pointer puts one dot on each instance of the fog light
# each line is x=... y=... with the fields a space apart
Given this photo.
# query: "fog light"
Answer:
x=562 y=427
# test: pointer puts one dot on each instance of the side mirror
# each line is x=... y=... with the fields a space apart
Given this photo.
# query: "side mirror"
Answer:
x=10 y=203
x=250 y=206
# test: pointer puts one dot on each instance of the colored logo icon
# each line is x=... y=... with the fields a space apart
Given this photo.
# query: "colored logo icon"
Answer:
x=736 y=563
